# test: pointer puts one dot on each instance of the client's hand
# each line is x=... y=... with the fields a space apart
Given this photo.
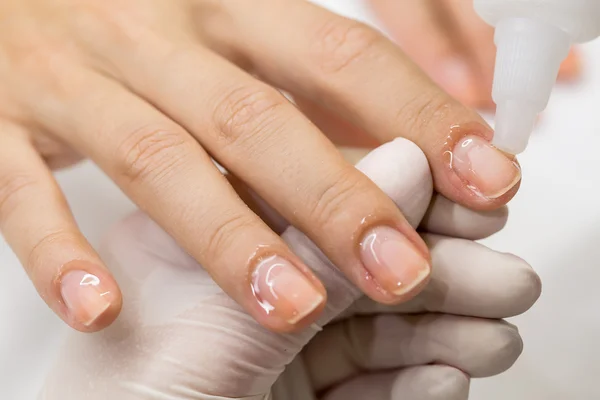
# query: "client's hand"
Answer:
x=452 y=44
x=151 y=90
x=181 y=337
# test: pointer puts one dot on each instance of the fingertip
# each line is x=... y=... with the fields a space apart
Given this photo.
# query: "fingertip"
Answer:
x=524 y=283
x=445 y=217
x=469 y=170
x=88 y=296
x=502 y=348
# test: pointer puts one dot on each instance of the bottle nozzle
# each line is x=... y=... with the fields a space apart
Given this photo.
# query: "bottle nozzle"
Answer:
x=514 y=123
x=529 y=54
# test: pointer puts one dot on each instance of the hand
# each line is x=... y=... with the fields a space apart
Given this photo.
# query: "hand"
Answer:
x=455 y=47
x=181 y=337
x=148 y=89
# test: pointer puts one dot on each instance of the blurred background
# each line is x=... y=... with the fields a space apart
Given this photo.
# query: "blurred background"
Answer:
x=554 y=224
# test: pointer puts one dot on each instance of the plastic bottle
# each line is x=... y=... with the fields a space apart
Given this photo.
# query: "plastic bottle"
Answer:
x=532 y=38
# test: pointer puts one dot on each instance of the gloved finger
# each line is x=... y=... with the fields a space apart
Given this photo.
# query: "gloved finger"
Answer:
x=428 y=382
x=468 y=279
x=479 y=347
x=446 y=217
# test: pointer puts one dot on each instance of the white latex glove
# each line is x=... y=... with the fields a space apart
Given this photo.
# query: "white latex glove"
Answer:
x=181 y=337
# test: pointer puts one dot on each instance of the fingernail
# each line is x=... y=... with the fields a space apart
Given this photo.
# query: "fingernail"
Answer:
x=393 y=260
x=84 y=296
x=487 y=171
x=283 y=290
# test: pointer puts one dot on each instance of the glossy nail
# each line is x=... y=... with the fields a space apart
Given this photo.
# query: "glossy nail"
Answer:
x=486 y=170
x=283 y=290
x=393 y=260
x=84 y=295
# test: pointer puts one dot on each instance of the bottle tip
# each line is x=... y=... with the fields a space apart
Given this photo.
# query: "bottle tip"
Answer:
x=514 y=124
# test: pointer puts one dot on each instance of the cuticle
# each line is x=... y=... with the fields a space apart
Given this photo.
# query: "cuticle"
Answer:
x=457 y=133
x=263 y=252
x=64 y=269
x=373 y=221
x=460 y=131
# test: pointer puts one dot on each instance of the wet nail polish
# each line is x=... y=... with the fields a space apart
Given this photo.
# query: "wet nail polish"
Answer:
x=84 y=295
x=487 y=171
x=283 y=290
x=393 y=260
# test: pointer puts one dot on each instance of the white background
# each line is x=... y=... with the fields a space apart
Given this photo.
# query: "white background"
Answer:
x=554 y=224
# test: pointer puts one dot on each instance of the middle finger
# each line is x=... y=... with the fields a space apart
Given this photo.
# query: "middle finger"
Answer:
x=253 y=131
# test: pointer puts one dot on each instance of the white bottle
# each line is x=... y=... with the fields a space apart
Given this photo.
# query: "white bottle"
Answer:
x=532 y=38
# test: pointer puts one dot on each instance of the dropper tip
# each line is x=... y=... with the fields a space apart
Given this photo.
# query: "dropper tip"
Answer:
x=514 y=124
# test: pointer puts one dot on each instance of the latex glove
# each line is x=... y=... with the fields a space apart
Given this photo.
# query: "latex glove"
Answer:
x=148 y=89
x=181 y=337
x=450 y=42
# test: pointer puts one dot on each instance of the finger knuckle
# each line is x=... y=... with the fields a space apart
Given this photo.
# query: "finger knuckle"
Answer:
x=150 y=154
x=340 y=42
x=424 y=111
x=334 y=198
x=224 y=233
x=246 y=112
x=13 y=187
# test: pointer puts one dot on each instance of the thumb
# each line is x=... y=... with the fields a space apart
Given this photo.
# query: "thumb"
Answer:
x=180 y=336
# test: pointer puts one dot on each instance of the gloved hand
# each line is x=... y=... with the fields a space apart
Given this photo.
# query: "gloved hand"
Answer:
x=181 y=337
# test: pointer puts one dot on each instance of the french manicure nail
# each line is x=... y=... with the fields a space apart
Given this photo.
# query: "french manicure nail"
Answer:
x=84 y=295
x=393 y=260
x=283 y=290
x=487 y=171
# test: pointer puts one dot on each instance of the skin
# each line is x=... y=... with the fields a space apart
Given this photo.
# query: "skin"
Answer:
x=150 y=90
x=455 y=47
